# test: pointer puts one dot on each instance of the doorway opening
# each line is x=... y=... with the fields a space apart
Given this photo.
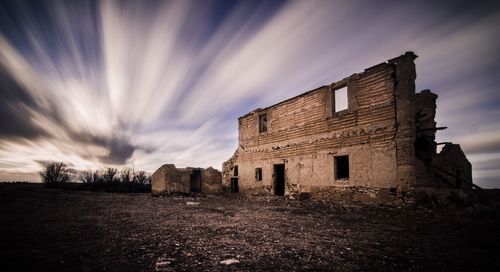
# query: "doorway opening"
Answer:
x=279 y=179
x=234 y=185
x=195 y=181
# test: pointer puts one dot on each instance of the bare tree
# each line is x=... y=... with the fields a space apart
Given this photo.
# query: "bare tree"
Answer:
x=88 y=177
x=140 y=177
x=91 y=177
x=126 y=175
x=55 y=173
x=97 y=177
x=109 y=175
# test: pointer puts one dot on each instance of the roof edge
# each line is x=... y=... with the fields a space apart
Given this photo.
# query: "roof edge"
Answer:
x=407 y=54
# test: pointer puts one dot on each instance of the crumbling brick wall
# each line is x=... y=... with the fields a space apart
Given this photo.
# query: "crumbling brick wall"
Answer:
x=450 y=168
x=446 y=169
x=211 y=180
x=377 y=133
x=168 y=179
x=425 y=144
x=227 y=170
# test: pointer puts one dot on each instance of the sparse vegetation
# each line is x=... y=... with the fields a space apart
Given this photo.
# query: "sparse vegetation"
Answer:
x=109 y=181
x=141 y=178
x=126 y=175
x=57 y=175
x=87 y=177
x=109 y=175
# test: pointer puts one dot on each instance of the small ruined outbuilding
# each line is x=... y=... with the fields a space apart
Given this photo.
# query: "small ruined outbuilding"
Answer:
x=368 y=135
x=169 y=179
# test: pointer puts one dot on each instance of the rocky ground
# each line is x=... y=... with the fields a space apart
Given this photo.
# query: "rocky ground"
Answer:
x=54 y=230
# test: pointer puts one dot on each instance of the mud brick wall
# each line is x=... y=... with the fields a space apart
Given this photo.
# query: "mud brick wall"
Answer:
x=452 y=160
x=168 y=179
x=211 y=180
x=305 y=133
x=405 y=119
x=425 y=113
x=227 y=169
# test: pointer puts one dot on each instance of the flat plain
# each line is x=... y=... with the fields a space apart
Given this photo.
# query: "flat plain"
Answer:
x=55 y=230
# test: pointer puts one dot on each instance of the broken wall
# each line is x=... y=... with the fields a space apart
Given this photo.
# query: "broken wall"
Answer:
x=211 y=180
x=168 y=179
x=425 y=124
x=305 y=133
x=450 y=169
x=447 y=169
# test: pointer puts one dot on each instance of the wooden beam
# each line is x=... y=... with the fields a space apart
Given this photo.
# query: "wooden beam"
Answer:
x=433 y=128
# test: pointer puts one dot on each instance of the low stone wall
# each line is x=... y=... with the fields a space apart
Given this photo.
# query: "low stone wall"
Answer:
x=168 y=180
x=212 y=180
x=365 y=194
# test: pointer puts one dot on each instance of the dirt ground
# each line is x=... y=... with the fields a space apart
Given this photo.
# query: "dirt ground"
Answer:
x=54 y=230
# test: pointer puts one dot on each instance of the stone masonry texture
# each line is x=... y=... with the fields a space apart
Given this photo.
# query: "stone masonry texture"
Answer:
x=377 y=132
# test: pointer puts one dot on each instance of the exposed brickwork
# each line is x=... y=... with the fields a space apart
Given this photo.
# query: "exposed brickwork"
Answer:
x=168 y=179
x=377 y=132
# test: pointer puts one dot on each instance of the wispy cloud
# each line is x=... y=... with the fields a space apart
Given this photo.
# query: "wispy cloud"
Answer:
x=98 y=83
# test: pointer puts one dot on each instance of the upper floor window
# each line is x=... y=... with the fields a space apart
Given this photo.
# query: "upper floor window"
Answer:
x=341 y=101
x=263 y=122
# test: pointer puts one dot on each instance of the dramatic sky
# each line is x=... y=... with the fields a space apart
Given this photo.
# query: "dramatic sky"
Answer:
x=105 y=83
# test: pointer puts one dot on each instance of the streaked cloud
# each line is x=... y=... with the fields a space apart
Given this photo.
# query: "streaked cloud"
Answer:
x=98 y=83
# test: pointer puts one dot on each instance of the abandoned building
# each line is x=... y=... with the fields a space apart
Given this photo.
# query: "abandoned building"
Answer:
x=365 y=136
x=168 y=179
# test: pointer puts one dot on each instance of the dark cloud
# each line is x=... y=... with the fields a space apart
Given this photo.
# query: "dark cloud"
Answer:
x=119 y=151
x=16 y=122
x=119 y=147
x=15 y=119
x=44 y=163
x=17 y=109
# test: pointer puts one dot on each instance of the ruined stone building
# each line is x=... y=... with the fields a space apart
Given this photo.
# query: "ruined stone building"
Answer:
x=169 y=179
x=369 y=133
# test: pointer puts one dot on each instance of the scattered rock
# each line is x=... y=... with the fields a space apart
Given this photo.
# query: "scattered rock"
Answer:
x=229 y=261
x=163 y=264
x=192 y=203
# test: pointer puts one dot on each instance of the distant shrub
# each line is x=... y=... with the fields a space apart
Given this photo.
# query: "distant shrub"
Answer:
x=87 y=177
x=140 y=178
x=109 y=175
x=55 y=174
x=113 y=181
x=126 y=175
x=97 y=177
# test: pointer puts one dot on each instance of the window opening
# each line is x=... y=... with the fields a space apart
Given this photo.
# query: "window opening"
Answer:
x=342 y=167
x=258 y=174
x=263 y=123
x=341 y=101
